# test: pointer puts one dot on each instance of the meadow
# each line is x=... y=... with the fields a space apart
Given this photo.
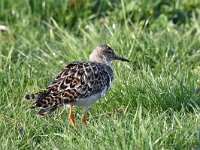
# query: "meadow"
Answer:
x=154 y=100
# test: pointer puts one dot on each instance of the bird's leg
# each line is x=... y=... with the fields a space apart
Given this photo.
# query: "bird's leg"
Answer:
x=84 y=120
x=71 y=118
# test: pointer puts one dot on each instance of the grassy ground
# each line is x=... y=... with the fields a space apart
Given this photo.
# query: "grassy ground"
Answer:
x=154 y=100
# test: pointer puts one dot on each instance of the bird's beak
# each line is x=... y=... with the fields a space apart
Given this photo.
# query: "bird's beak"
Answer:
x=120 y=58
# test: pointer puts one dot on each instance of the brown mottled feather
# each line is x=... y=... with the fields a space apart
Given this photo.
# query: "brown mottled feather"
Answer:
x=75 y=81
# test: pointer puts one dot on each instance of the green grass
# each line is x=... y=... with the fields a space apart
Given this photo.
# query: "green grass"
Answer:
x=153 y=102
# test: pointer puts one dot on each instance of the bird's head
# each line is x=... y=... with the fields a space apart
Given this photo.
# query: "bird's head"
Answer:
x=104 y=54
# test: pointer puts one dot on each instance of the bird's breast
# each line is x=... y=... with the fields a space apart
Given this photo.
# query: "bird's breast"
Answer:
x=88 y=101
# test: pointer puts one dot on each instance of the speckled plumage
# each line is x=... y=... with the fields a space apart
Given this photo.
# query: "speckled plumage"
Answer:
x=78 y=83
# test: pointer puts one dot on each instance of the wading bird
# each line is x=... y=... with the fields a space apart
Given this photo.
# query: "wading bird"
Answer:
x=79 y=83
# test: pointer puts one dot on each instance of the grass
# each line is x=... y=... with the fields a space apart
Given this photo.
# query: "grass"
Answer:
x=154 y=100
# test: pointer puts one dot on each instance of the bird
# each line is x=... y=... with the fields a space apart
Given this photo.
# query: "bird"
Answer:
x=79 y=83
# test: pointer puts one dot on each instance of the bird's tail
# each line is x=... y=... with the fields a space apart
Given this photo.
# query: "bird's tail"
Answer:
x=37 y=96
x=42 y=100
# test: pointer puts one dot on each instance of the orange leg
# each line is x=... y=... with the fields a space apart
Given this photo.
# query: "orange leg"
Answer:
x=84 y=120
x=71 y=118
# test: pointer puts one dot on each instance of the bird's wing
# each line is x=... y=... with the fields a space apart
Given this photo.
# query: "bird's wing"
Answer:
x=95 y=78
x=75 y=81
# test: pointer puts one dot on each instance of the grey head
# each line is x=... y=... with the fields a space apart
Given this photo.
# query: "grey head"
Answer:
x=104 y=54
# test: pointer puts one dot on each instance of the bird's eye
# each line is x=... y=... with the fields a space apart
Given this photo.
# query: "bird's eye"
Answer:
x=109 y=52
